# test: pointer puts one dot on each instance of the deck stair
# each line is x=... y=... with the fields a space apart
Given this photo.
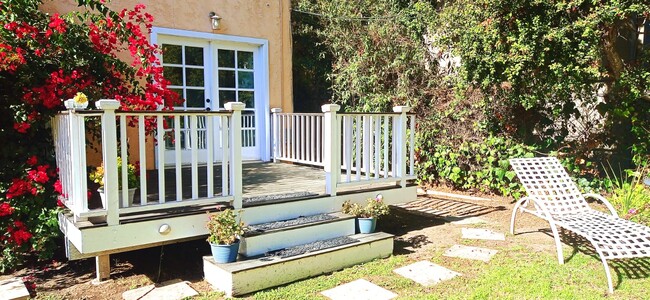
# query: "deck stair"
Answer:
x=284 y=251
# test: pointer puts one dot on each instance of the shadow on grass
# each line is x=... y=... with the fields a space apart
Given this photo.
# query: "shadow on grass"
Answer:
x=630 y=268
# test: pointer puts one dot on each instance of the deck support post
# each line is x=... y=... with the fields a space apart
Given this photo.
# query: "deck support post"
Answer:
x=236 y=188
x=109 y=155
x=102 y=268
x=331 y=157
x=275 y=139
x=400 y=133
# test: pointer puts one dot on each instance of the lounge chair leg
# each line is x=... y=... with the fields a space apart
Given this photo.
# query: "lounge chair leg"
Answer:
x=558 y=244
x=610 y=285
x=514 y=215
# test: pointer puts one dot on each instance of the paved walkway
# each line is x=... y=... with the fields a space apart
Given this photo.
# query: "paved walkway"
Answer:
x=425 y=272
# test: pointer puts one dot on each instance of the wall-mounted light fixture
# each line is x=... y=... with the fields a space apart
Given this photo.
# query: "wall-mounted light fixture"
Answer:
x=214 y=20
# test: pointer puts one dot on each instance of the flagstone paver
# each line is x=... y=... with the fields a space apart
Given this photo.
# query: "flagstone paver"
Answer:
x=465 y=221
x=170 y=290
x=13 y=289
x=482 y=234
x=360 y=289
x=426 y=273
x=468 y=252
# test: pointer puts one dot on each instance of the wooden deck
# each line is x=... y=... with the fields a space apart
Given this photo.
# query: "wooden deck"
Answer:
x=259 y=179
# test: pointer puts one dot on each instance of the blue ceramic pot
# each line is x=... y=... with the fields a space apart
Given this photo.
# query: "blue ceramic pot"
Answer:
x=367 y=225
x=224 y=253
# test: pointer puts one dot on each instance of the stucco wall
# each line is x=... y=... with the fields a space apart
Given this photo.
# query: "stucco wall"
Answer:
x=268 y=20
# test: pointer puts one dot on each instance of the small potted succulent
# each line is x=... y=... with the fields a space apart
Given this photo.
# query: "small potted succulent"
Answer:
x=225 y=230
x=366 y=215
x=132 y=180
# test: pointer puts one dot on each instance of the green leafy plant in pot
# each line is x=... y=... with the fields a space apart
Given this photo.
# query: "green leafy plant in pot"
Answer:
x=366 y=215
x=225 y=229
x=132 y=179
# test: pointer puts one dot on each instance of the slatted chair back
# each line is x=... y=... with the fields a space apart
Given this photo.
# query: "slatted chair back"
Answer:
x=546 y=180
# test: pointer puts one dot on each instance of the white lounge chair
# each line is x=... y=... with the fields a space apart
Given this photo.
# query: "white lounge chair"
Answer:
x=556 y=199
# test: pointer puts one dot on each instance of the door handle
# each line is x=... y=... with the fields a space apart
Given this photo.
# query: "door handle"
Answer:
x=207 y=100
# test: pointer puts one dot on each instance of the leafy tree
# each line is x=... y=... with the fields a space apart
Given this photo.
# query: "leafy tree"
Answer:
x=541 y=63
x=44 y=59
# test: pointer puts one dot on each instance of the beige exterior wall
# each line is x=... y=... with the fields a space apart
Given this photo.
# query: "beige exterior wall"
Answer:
x=269 y=20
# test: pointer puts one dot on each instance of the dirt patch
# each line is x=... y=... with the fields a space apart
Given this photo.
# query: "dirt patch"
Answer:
x=418 y=235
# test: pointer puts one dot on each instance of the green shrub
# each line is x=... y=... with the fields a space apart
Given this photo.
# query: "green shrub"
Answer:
x=475 y=165
x=630 y=196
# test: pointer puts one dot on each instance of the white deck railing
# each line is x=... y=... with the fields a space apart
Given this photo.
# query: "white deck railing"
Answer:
x=298 y=137
x=353 y=148
x=200 y=135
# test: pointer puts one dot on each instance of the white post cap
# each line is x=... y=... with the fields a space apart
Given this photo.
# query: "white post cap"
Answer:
x=276 y=110
x=234 y=106
x=401 y=109
x=330 y=107
x=107 y=104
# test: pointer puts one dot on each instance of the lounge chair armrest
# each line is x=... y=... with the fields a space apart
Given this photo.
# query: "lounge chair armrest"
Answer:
x=604 y=201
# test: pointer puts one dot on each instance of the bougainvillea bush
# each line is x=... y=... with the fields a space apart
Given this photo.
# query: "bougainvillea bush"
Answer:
x=45 y=59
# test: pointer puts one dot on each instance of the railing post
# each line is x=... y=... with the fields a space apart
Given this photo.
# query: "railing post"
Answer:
x=78 y=163
x=109 y=153
x=236 y=188
x=400 y=135
x=275 y=140
x=331 y=157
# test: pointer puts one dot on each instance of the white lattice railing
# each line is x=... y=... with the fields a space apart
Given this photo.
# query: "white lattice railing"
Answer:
x=354 y=148
x=298 y=137
x=199 y=138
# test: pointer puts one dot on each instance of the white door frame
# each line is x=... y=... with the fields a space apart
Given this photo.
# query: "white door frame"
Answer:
x=262 y=105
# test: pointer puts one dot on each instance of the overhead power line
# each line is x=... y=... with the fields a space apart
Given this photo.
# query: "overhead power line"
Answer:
x=391 y=17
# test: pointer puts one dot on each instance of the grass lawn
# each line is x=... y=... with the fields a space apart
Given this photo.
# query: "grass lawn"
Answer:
x=514 y=273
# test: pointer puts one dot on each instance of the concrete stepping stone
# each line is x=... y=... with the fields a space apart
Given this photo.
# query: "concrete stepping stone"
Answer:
x=360 y=289
x=426 y=273
x=13 y=289
x=465 y=220
x=468 y=252
x=171 y=290
x=482 y=234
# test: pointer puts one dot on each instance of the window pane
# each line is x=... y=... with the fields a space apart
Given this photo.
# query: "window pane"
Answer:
x=247 y=98
x=225 y=97
x=194 y=77
x=193 y=56
x=195 y=98
x=226 y=79
x=226 y=58
x=245 y=60
x=171 y=54
x=246 y=80
x=174 y=75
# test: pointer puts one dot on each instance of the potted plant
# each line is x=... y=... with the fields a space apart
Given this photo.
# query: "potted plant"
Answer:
x=225 y=230
x=132 y=180
x=366 y=215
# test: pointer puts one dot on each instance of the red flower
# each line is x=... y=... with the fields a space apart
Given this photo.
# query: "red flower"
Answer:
x=32 y=160
x=19 y=187
x=20 y=236
x=57 y=23
x=58 y=187
x=39 y=175
x=22 y=127
x=5 y=209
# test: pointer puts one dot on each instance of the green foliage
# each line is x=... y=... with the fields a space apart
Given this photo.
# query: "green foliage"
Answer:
x=631 y=197
x=377 y=58
x=483 y=165
x=374 y=208
x=543 y=63
x=224 y=228
x=131 y=171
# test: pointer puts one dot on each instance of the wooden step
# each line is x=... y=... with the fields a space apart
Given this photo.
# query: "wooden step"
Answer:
x=256 y=274
x=285 y=234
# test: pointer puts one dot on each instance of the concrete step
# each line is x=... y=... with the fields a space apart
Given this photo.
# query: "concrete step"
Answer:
x=272 y=236
x=254 y=274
